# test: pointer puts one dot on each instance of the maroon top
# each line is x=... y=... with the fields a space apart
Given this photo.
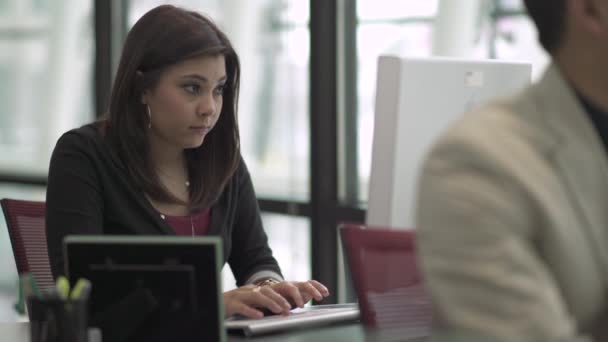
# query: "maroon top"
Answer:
x=183 y=225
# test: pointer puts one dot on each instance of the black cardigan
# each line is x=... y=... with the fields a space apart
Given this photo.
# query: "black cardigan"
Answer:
x=89 y=192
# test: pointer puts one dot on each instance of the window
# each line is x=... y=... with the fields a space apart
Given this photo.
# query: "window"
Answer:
x=516 y=37
x=511 y=5
x=381 y=26
x=46 y=59
x=46 y=64
x=289 y=238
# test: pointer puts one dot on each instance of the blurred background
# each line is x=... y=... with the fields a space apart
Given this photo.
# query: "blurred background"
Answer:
x=306 y=106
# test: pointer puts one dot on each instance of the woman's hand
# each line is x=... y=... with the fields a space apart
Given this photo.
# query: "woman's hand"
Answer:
x=279 y=298
x=250 y=300
x=299 y=293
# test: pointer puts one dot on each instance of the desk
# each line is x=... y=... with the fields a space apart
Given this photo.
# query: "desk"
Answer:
x=349 y=332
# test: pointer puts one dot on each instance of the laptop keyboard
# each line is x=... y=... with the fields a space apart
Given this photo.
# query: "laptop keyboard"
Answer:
x=301 y=313
x=298 y=314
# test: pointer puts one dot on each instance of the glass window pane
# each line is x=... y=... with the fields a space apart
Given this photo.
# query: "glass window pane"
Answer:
x=517 y=39
x=383 y=27
x=8 y=270
x=271 y=38
x=137 y=8
x=390 y=9
x=511 y=5
x=46 y=63
x=289 y=238
x=372 y=40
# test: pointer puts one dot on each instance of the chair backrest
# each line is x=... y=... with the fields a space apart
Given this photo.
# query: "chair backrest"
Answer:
x=25 y=221
x=386 y=278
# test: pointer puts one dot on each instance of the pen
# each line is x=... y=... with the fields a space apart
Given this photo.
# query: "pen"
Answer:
x=63 y=287
x=81 y=290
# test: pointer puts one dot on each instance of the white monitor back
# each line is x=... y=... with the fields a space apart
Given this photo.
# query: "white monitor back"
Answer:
x=416 y=99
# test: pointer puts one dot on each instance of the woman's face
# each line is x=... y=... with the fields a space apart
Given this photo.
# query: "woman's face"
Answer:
x=186 y=102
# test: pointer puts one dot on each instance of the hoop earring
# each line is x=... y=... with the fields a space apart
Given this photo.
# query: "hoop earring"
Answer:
x=149 y=116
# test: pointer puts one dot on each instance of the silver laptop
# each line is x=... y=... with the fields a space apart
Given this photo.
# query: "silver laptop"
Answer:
x=298 y=318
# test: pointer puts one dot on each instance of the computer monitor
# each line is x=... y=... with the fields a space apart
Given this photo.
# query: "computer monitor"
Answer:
x=150 y=288
x=416 y=99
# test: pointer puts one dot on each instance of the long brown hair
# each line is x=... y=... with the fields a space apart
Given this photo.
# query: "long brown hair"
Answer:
x=164 y=36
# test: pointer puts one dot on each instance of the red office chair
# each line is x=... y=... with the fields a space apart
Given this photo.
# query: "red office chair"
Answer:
x=387 y=280
x=26 y=228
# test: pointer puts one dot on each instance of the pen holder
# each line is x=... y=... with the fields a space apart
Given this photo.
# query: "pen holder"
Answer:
x=58 y=320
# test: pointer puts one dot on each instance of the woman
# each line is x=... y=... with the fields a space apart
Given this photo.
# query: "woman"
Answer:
x=166 y=160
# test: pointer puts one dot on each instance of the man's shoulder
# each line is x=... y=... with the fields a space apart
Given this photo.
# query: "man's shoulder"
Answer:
x=498 y=126
x=534 y=116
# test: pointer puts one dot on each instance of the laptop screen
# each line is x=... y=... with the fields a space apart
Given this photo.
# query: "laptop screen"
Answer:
x=150 y=288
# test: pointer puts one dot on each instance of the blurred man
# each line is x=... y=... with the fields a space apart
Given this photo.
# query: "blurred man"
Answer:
x=513 y=202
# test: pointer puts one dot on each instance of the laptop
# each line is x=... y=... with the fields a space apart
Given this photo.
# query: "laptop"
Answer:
x=389 y=287
x=150 y=288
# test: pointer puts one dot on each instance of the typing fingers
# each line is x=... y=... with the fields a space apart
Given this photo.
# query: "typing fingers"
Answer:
x=251 y=301
x=290 y=291
x=264 y=297
x=277 y=298
x=246 y=310
x=320 y=287
x=308 y=290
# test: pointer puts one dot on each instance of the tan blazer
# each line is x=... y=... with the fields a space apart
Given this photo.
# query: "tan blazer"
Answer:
x=513 y=220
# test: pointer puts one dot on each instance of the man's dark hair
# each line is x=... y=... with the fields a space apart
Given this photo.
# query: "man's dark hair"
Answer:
x=550 y=19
